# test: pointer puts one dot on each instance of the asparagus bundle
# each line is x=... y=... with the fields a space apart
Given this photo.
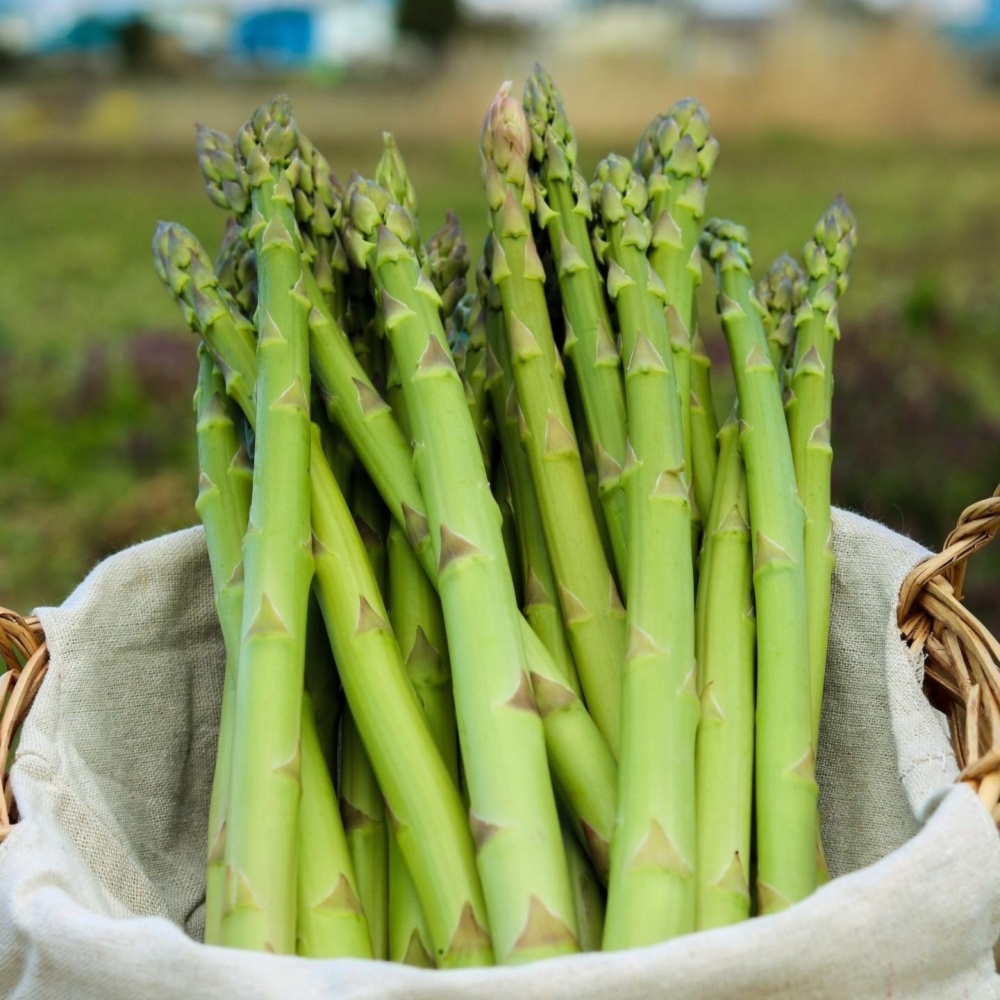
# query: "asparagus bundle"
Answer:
x=466 y=513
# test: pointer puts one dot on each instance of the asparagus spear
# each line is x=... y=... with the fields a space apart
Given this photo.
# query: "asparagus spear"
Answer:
x=651 y=889
x=786 y=790
x=704 y=428
x=431 y=828
x=520 y=854
x=223 y=505
x=780 y=292
x=588 y=893
x=676 y=155
x=262 y=827
x=331 y=921
x=591 y=607
x=724 y=756
x=826 y=257
x=589 y=346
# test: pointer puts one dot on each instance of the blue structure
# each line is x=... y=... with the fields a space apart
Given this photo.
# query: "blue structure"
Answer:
x=283 y=36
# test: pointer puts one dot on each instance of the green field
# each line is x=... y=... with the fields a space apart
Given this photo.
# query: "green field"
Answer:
x=95 y=418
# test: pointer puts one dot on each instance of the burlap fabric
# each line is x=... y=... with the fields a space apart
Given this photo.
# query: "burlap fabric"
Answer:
x=102 y=881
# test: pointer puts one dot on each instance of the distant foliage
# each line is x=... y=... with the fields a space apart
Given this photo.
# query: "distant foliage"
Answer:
x=433 y=22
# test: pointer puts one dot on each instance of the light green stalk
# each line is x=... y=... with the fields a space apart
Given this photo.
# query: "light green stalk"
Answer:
x=332 y=923
x=704 y=426
x=223 y=505
x=262 y=826
x=364 y=820
x=539 y=582
x=726 y=681
x=425 y=809
x=780 y=292
x=826 y=257
x=588 y=893
x=651 y=889
x=519 y=849
x=676 y=155
x=590 y=348
x=591 y=607
x=582 y=766
x=786 y=791
x=409 y=940
x=361 y=800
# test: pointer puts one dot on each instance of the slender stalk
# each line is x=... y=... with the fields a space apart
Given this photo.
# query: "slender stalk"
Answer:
x=724 y=756
x=589 y=348
x=331 y=922
x=651 y=890
x=519 y=850
x=363 y=815
x=704 y=427
x=826 y=257
x=591 y=607
x=262 y=827
x=409 y=940
x=786 y=791
x=223 y=505
x=676 y=155
x=588 y=893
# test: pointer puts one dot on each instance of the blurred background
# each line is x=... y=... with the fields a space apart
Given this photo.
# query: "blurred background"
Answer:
x=894 y=104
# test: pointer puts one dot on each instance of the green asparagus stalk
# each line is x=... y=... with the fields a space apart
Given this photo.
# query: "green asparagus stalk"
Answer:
x=364 y=820
x=331 y=922
x=704 y=427
x=223 y=505
x=582 y=767
x=519 y=850
x=447 y=261
x=591 y=607
x=539 y=580
x=588 y=893
x=589 y=346
x=786 y=791
x=726 y=638
x=683 y=154
x=780 y=291
x=428 y=814
x=651 y=892
x=408 y=938
x=826 y=257
x=262 y=826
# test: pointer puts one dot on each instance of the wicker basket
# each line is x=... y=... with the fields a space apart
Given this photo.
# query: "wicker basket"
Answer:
x=26 y=658
x=961 y=678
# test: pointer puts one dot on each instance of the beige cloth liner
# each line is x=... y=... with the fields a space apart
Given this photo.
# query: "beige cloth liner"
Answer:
x=102 y=881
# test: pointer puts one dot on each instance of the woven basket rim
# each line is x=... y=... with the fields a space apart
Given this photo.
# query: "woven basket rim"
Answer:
x=961 y=657
x=26 y=659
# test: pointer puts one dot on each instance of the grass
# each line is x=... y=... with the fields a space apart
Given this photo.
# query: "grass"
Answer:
x=95 y=414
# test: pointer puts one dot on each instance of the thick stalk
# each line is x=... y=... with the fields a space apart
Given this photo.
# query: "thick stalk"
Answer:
x=785 y=783
x=651 y=890
x=223 y=506
x=589 y=346
x=519 y=849
x=332 y=923
x=724 y=756
x=826 y=258
x=261 y=849
x=591 y=607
